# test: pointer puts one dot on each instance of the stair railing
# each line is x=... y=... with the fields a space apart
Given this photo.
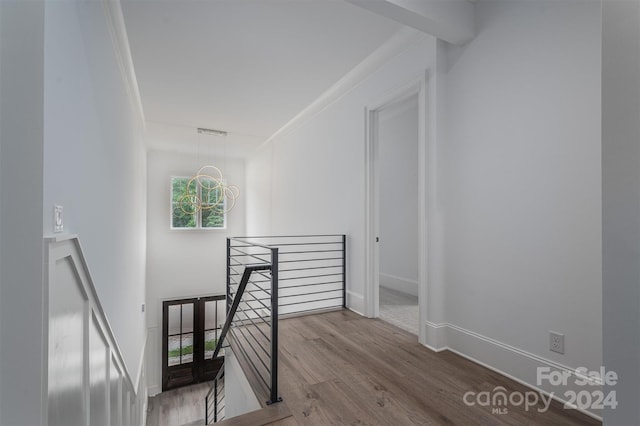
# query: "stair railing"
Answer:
x=268 y=276
x=215 y=400
x=251 y=326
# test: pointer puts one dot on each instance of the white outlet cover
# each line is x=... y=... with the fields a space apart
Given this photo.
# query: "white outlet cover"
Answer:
x=58 y=219
x=556 y=342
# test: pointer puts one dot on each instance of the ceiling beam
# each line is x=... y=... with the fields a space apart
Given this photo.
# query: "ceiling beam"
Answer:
x=449 y=20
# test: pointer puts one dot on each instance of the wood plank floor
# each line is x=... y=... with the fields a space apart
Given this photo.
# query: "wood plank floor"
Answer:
x=340 y=368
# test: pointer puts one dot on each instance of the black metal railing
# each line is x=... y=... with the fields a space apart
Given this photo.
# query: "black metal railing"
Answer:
x=311 y=271
x=252 y=294
x=215 y=400
x=272 y=276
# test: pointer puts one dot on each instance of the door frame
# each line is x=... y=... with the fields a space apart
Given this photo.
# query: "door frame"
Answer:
x=202 y=369
x=426 y=177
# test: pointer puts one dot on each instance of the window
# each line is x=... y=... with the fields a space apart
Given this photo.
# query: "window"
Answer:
x=197 y=204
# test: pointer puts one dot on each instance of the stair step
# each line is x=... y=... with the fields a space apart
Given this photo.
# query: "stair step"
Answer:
x=264 y=416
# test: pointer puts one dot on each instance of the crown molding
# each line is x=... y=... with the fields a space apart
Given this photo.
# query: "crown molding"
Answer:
x=120 y=40
x=395 y=45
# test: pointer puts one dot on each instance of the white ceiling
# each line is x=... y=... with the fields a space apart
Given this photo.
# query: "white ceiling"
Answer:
x=244 y=66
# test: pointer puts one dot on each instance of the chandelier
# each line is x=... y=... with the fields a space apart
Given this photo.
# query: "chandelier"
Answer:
x=207 y=190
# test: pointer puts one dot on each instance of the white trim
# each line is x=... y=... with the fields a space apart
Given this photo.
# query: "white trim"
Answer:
x=120 y=40
x=355 y=302
x=65 y=246
x=426 y=196
x=372 y=254
x=403 y=285
x=391 y=48
x=141 y=363
x=516 y=364
x=153 y=332
x=106 y=353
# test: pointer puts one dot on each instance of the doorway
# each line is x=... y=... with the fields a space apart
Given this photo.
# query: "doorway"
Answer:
x=399 y=199
x=190 y=331
x=397 y=137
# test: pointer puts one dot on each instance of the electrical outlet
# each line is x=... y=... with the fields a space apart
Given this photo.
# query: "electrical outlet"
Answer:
x=556 y=342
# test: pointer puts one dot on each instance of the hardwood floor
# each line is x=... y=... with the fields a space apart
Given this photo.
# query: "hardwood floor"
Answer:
x=339 y=368
x=178 y=407
x=342 y=369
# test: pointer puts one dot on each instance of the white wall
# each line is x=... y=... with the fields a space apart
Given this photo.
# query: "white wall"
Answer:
x=621 y=205
x=95 y=164
x=522 y=183
x=516 y=123
x=239 y=396
x=259 y=192
x=398 y=167
x=183 y=263
x=21 y=182
x=317 y=168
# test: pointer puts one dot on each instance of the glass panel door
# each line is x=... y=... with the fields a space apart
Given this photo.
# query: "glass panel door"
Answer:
x=178 y=343
x=213 y=315
x=190 y=330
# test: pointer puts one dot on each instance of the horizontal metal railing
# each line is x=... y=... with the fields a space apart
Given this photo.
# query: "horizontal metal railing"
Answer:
x=252 y=295
x=274 y=276
x=311 y=271
x=240 y=331
x=215 y=400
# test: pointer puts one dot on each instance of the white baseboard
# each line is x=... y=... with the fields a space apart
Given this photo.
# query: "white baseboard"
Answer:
x=355 y=302
x=153 y=390
x=436 y=337
x=514 y=363
x=400 y=284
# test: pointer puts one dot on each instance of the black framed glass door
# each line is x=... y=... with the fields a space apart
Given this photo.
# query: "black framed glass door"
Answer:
x=190 y=331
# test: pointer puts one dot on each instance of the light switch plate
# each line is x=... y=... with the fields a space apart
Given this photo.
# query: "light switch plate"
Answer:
x=58 y=223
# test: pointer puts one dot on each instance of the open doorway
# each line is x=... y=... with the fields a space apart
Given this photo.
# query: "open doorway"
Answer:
x=399 y=181
x=398 y=170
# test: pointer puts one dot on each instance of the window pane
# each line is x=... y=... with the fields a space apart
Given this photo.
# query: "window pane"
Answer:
x=184 y=202
x=181 y=218
x=210 y=314
x=187 y=348
x=222 y=312
x=174 y=350
x=209 y=343
x=212 y=204
x=210 y=191
x=187 y=318
x=178 y=186
x=174 y=319
x=212 y=219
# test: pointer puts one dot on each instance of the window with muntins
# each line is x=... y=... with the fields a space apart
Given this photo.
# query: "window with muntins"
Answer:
x=197 y=204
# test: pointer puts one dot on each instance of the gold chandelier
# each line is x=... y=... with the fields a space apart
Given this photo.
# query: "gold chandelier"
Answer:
x=207 y=189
